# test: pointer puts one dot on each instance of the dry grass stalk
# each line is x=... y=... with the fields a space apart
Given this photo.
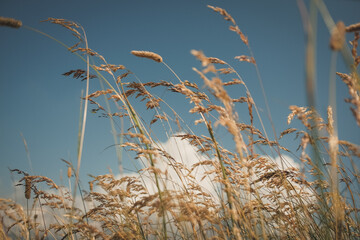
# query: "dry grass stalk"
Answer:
x=70 y=25
x=235 y=27
x=353 y=27
x=337 y=207
x=239 y=32
x=73 y=27
x=151 y=55
x=10 y=22
x=224 y=13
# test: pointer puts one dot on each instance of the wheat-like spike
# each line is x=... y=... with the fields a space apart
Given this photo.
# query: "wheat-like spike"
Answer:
x=146 y=54
x=10 y=22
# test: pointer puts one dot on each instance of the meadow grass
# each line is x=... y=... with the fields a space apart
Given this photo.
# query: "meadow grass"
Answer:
x=251 y=196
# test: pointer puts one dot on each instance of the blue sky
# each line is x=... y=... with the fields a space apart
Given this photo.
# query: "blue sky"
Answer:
x=42 y=105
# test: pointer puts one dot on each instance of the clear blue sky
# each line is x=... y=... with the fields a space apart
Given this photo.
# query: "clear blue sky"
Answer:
x=43 y=105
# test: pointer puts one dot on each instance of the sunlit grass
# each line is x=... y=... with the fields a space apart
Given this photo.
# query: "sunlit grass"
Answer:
x=192 y=187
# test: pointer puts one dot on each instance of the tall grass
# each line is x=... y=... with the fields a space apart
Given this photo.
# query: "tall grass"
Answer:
x=247 y=195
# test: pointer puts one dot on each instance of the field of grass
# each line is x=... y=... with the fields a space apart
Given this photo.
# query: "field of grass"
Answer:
x=253 y=192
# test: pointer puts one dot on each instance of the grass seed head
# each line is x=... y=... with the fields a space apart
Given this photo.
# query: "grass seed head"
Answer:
x=27 y=188
x=151 y=55
x=10 y=22
x=216 y=60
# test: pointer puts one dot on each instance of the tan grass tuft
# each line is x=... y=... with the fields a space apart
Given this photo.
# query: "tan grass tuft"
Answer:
x=151 y=55
x=10 y=22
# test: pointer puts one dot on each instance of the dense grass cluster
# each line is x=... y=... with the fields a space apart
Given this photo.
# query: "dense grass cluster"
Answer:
x=241 y=194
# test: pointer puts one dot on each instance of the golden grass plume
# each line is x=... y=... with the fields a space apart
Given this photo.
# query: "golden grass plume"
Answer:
x=146 y=54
